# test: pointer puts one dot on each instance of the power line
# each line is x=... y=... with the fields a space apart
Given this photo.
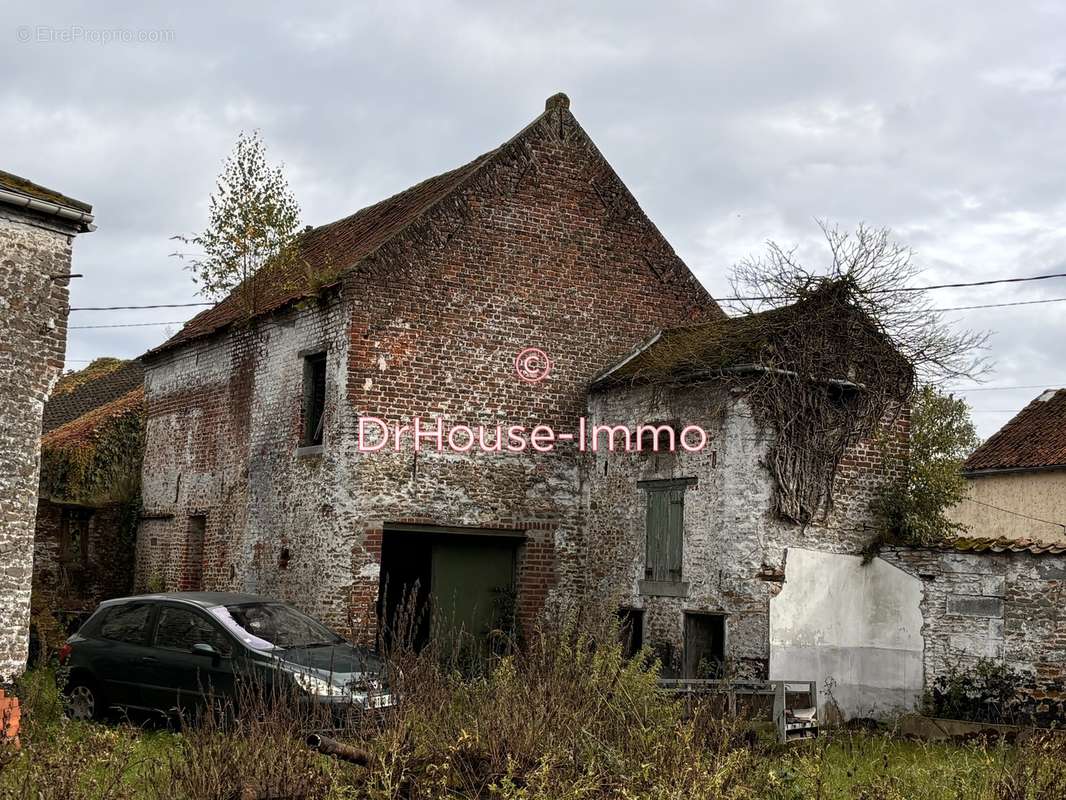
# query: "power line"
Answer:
x=962 y=285
x=1003 y=305
x=994 y=282
x=1002 y=388
x=125 y=325
x=129 y=308
x=1016 y=513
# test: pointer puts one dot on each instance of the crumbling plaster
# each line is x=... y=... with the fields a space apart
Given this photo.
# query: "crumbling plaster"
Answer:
x=734 y=556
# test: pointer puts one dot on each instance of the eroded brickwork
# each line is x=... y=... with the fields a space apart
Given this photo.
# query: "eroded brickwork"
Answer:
x=34 y=257
x=1008 y=607
x=734 y=547
x=74 y=575
x=543 y=249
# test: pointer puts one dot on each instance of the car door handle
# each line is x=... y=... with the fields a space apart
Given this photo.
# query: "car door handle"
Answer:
x=149 y=659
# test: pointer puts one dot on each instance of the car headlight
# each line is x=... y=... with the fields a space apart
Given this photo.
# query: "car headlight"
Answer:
x=317 y=686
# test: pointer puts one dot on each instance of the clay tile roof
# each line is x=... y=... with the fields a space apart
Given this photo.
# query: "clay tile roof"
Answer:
x=969 y=544
x=102 y=382
x=83 y=429
x=1035 y=438
x=27 y=188
x=335 y=247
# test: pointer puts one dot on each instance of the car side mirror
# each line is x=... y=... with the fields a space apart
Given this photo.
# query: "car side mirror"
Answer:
x=204 y=649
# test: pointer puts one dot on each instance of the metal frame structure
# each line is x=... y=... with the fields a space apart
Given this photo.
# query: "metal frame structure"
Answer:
x=791 y=723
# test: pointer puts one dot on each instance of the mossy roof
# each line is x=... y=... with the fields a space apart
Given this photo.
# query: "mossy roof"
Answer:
x=81 y=392
x=83 y=429
x=836 y=337
x=23 y=186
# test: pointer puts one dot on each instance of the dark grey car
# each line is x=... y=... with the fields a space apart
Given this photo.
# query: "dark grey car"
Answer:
x=169 y=652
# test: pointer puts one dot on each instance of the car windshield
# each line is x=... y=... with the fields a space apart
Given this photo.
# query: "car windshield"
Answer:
x=265 y=626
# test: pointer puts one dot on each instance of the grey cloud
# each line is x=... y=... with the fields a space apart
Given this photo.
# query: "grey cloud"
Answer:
x=732 y=123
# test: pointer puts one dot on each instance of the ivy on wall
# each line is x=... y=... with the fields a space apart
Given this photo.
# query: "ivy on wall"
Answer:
x=96 y=458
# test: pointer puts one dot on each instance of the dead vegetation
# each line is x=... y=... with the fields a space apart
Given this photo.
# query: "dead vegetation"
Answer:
x=569 y=718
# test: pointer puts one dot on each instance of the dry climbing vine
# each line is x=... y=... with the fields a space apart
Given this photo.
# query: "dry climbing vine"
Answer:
x=824 y=360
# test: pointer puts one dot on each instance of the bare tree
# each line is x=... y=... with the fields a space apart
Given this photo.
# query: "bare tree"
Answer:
x=877 y=274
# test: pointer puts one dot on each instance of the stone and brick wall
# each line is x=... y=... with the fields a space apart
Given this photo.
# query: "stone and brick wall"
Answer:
x=34 y=255
x=734 y=547
x=1007 y=607
x=533 y=254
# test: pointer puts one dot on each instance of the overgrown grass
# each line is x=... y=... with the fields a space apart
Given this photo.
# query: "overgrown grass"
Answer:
x=569 y=719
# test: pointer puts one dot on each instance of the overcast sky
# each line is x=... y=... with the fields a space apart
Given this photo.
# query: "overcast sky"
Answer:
x=732 y=123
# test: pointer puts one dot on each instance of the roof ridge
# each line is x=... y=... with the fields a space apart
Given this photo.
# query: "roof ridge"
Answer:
x=86 y=391
x=451 y=182
x=89 y=419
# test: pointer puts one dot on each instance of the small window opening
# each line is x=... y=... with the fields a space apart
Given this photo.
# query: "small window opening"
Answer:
x=283 y=559
x=74 y=536
x=314 y=400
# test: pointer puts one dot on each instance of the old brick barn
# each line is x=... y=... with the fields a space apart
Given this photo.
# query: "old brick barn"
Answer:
x=251 y=474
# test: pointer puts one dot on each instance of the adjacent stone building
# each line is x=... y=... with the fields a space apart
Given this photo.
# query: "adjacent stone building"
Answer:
x=690 y=542
x=1016 y=481
x=1003 y=602
x=253 y=478
x=37 y=230
x=89 y=499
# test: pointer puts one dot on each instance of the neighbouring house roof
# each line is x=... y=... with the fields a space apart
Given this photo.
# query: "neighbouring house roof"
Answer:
x=338 y=247
x=100 y=383
x=969 y=544
x=83 y=428
x=1034 y=439
x=93 y=441
x=757 y=341
x=24 y=193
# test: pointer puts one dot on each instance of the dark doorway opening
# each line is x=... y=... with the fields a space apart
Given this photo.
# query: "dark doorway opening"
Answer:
x=457 y=589
x=631 y=630
x=406 y=567
x=192 y=578
x=704 y=645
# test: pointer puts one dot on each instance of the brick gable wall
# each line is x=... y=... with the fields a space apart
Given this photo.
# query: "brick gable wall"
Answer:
x=538 y=257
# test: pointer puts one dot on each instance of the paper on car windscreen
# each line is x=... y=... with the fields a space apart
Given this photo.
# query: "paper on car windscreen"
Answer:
x=227 y=620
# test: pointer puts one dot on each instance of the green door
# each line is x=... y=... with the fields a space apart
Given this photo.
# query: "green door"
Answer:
x=471 y=587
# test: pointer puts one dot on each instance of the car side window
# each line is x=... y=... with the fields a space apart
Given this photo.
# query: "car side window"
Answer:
x=181 y=628
x=127 y=623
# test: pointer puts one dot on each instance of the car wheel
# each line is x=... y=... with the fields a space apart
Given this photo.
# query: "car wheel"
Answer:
x=82 y=701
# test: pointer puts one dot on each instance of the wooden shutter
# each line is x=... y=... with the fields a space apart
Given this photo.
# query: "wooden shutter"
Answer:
x=665 y=528
x=665 y=532
x=675 y=522
x=655 y=556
